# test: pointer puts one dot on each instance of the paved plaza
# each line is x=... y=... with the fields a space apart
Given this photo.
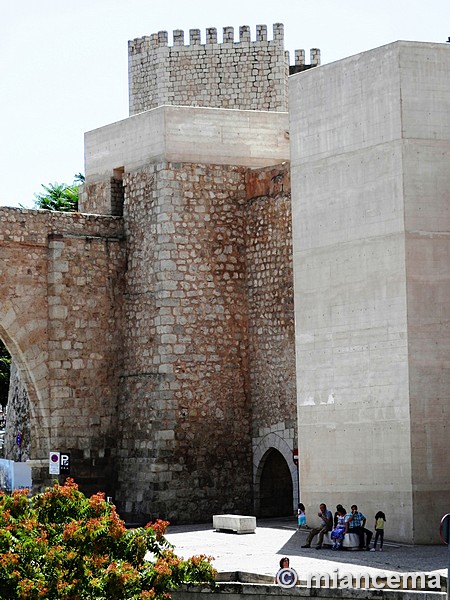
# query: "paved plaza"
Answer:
x=259 y=553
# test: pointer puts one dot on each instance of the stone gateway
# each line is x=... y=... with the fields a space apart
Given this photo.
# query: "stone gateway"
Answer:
x=154 y=330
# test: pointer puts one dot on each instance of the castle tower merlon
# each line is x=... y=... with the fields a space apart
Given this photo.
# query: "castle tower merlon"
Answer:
x=299 y=58
x=178 y=37
x=278 y=32
x=139 y=45
x=194 y=37
x=244 y=34
x=315 y=57
x=163 y=38
x=228 y=35
x=300 y=64
x=261 y=33
x=148 y=43
x=211 y=35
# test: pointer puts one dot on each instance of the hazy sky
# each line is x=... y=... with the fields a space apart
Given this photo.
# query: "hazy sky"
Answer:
x=63 y=63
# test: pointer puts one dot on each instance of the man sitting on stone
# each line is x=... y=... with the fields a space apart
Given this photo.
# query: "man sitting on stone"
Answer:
x=356 y=522
x=326 y=525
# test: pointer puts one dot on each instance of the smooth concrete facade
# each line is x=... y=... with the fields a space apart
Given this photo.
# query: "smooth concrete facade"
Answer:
x=370 y=149
x=189 y=134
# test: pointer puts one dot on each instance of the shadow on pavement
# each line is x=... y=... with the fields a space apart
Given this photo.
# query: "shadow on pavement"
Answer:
x=395 y=557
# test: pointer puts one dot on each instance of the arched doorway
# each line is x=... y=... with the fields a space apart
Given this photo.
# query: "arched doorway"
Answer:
x=15 y=419
x=263 y=474
x=276 y=488
x=5 y=369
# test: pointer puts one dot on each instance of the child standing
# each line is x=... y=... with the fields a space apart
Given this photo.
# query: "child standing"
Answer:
x=380 y=520
x=301 y=516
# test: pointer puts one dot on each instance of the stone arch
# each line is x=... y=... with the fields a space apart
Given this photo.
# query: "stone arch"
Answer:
x=267 y=450
x=29 y=359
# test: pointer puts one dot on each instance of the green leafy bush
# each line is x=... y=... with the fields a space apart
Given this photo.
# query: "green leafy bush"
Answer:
x=60 y=196
x=61 y=545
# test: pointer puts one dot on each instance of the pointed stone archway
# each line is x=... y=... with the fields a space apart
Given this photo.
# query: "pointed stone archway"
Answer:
x=275 y=478
x=27 y=359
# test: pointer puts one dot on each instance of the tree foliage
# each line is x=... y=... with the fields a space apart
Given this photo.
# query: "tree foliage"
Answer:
x=5 y=367
x=60 y=196
x=61 y=545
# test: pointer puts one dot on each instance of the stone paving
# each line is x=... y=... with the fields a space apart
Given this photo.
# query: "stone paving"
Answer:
x=259 y=553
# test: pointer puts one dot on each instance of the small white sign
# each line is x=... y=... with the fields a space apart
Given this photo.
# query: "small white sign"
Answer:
x=54 y=463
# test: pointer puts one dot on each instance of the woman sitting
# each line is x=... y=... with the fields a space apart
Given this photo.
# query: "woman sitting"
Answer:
x=337 y=534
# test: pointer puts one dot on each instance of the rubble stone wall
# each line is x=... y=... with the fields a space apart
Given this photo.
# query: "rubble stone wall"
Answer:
x=185 y=408
x=270 y=298
x=271 y=317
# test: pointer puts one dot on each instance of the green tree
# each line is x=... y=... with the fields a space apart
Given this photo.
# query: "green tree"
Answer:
x=60 y=545
x=60 y=196
x=5 y=367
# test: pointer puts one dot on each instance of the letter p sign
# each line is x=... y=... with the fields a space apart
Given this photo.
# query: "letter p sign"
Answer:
x=65 y=463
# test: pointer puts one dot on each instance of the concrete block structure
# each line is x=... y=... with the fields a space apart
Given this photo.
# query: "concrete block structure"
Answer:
x=161 y=350
x=370 y=149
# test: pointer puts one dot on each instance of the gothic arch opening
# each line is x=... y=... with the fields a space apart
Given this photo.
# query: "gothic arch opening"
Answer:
x=15 y=425
x=275 y=486
x=5 y=369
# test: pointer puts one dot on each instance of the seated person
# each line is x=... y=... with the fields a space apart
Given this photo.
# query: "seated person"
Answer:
x=337 y=534
x=336 y=514
x=326 y=524
x=356 y=523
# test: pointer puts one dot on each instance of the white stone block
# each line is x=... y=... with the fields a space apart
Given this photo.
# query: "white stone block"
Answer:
x=236 y=523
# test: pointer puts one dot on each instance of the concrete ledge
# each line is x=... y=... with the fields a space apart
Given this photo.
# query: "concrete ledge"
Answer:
x=256 y=592
x=188 y=134
x=243 y=577
x=351 y=541
x=236 y=523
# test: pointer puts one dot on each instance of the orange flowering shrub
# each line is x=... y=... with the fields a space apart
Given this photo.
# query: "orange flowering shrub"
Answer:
x=60 y=545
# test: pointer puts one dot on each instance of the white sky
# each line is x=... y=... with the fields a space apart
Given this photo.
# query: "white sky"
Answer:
x=63 y=63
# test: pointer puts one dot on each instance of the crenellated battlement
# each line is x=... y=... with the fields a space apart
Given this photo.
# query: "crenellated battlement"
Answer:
x=245 y=74
x=300 y=64
x=161 y=38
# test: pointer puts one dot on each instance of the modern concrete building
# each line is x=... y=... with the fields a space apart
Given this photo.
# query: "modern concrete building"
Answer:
x=370 y=165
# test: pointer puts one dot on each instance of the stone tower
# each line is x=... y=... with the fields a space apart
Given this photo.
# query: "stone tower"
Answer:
x=207 y=392
x=245 y=74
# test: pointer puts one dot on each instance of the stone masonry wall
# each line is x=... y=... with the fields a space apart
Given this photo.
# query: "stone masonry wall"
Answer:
x=185 y=412
x=102 y=197
x=60 y=318
x=271 y=306
x=243 y=75
x=85 y=309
